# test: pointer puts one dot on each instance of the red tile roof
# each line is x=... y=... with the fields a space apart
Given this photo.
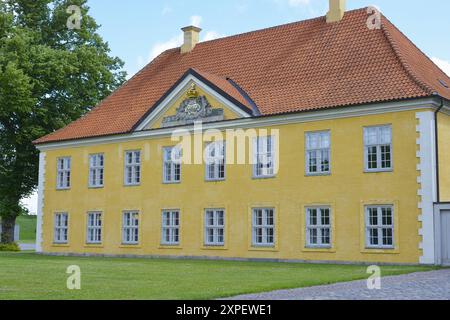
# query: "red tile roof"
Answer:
x=307 y=65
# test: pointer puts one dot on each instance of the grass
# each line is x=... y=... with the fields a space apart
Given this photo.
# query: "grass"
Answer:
x=30 y=276
x=27 y=229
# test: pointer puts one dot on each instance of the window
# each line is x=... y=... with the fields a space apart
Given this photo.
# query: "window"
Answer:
x=61 y=228
x=172 y=165
x=215 y=161
x=263 y=227
x=63 y=175
x=318 y=227
x=130 y=227
x=214 y=227
x=318 y=153
x=380 y=227
x=171 y=228
x=378 y=148
x=94 y=228
x=132 y=168
x=264 y=154
x=96 y=169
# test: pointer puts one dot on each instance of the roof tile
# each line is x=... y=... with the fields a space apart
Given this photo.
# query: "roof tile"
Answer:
x=307 y=65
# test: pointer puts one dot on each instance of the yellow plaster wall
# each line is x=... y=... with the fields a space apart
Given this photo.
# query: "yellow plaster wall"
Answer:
x=346 y=190
x=444 y=156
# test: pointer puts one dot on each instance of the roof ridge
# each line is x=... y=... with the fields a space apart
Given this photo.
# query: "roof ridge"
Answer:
x=403 y=62
x=310 y=20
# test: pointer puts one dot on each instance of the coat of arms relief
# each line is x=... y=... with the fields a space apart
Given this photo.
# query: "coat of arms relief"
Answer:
x=194 y=108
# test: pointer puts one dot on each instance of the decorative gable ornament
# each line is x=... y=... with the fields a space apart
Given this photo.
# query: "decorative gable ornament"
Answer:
x=193 y=108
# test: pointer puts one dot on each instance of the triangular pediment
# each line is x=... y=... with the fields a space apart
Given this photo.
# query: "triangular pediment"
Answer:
x=198 y=97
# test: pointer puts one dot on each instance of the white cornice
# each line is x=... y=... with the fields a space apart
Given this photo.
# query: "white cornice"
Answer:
x=318 y=115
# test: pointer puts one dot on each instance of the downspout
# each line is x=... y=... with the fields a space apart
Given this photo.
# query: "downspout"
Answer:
x=436 y=136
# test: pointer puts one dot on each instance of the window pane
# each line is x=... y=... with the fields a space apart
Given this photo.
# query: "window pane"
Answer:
x=270 y=221
x=325 y=140
x=385 y=157
x=325 y=217
x=313 y=236
x=373 y=216
x=326 y=239
x=325 y=163
x=220 y=218
x=373 y=237
x=388 y=237
x=387 y=216
x=372 y=158
x=386 y=135
x=313 y=217
x=313 y=161
x=371 y=136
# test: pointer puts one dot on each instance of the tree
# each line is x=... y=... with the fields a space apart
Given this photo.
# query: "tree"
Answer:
x=50 y=75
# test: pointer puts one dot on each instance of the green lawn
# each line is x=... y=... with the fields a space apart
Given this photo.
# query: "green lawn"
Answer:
x=30 y=276
x=27 y=228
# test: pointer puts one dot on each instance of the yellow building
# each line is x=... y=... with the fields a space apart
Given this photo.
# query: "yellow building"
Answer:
x=321 y=140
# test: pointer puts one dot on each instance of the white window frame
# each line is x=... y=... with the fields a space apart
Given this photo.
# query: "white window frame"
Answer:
x=323 y=145
x=94 y=228
x=96 y=170
x=63 y=176
x=380 y=226
x=172 y=167
x=264 y=227
x=130 y=228
x=171 y=222
x=379 y=144
x=263 y=154
x=319 y=227
x=132 y=170
x=215 y=226
x=61 y=228
x=215 y=158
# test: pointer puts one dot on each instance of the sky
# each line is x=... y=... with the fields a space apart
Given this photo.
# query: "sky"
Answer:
x=138 y=30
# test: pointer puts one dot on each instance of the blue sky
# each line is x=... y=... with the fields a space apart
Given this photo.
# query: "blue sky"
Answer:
x=137 y=30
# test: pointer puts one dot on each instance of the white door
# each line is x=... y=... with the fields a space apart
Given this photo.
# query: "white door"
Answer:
x=445 y=237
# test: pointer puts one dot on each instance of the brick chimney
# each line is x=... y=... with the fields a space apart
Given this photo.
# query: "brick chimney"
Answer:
x=337 y=11
x=191 y=38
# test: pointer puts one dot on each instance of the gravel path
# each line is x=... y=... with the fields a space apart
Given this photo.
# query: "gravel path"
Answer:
x=434 y=285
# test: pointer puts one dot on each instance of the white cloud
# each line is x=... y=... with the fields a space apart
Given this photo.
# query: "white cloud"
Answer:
x=443 y=64
x=177 y=41
x=159 y=48
x=211 y=35
x=196 y=21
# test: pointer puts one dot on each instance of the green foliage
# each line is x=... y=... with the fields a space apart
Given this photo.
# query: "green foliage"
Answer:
x=9 y=247
x=49 y=76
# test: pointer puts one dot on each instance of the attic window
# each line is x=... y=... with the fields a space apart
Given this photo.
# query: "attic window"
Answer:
x=443 y=83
